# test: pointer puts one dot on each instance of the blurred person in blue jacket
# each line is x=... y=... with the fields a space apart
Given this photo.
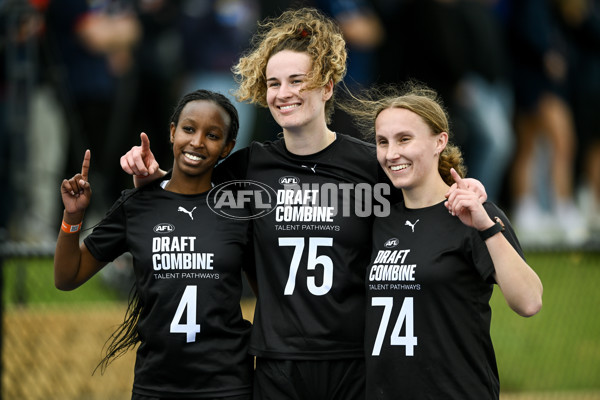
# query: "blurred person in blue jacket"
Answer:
x=214 y=33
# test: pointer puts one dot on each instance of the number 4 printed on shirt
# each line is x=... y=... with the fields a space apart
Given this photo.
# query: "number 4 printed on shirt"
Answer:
x=190 y=328
x=405 y=317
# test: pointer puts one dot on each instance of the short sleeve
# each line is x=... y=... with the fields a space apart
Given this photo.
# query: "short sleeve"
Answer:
x=108 y=239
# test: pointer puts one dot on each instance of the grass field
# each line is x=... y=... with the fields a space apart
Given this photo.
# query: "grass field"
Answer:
x=559 y=348
x=554 y=355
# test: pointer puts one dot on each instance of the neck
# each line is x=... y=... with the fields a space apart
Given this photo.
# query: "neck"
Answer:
x=425 y=195
x=184 y=184
x=307 y=142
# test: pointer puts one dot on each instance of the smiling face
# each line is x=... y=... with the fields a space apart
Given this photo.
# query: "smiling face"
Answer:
x=291 y=107
x=200 y=138
x=407 y=150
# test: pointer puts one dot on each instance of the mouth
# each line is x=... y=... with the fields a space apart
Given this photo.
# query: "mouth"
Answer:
x=193 y=156
x=288 y=107
x=398 y=167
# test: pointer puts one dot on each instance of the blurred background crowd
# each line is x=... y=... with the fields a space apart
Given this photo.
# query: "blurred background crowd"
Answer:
x=520 y=78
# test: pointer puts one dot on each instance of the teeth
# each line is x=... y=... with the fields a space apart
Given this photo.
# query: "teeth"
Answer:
x=289 y=107
x=192 y=157
x=398 y=167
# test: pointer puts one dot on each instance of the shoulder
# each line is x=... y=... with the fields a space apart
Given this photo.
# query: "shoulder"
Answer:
x=360 y=157
x=129 y=193
x=494 y=211
x=130 y=197
x=269 y=146
x=353 y=149
x=236 y=165
x=356 y=151
x=266 y=145
x=354 y=142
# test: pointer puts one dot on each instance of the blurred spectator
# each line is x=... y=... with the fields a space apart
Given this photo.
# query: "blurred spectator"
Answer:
x=155 y=82
x=214 y=34
x=423 y=43
x=582 y=18
x=8 y=133
x=542 y=60
x=364 y=33
x=15 y=49
x=92 y=48
x=483 y=101
x=32 y=127
x=457 y=47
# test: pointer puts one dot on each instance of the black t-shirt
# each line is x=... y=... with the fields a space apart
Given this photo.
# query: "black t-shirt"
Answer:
x=187 y=263
x=428 y=315
x=311 y=249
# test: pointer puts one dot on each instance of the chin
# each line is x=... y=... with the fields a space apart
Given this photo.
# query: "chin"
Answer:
x=399 y=183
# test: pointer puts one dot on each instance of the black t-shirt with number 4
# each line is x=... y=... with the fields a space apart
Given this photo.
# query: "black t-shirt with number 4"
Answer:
x=187 y=263
x=312 y=247
x=428 y=315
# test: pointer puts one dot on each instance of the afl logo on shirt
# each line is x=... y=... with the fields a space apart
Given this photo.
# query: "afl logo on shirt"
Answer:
x=393 y=242
x=164 y=228
x=289 y=180
x=243 y=199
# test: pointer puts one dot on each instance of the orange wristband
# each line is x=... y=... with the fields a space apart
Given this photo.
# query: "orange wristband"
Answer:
x=70 y=228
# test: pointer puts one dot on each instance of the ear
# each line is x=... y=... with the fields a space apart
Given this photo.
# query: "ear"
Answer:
x=441 y=142
x=328 y=90
x=172 y=129
x=227 y=149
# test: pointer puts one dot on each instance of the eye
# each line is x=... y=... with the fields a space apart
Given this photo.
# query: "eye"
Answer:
x=381 y=142
x=213 y=135
x=272 y=84
x=187 y=129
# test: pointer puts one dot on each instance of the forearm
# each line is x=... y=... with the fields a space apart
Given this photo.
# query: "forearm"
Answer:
x=73 y=264
x=67 y=255
x=139 y=181
x=520 y=285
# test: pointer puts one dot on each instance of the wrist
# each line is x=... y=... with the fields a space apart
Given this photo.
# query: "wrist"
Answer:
x=72 y=218
x=70 y=228
x=492 y=230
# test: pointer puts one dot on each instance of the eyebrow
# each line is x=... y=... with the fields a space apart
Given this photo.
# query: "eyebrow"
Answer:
x=289 y=77
x=213 y=126
x=396 y=133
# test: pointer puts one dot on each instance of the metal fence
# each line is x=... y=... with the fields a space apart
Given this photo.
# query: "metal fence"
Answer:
x=53 y=340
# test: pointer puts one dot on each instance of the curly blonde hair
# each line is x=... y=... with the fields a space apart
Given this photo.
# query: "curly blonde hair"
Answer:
x=305 y=30
x=413 y=96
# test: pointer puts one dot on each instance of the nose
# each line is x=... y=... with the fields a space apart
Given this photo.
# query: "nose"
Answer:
x=284 y=91
x=393 y=152
x=197 y=139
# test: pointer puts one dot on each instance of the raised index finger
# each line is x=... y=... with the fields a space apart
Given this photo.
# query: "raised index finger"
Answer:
x=85 y=166
x=145 y=143
x=459 y=181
